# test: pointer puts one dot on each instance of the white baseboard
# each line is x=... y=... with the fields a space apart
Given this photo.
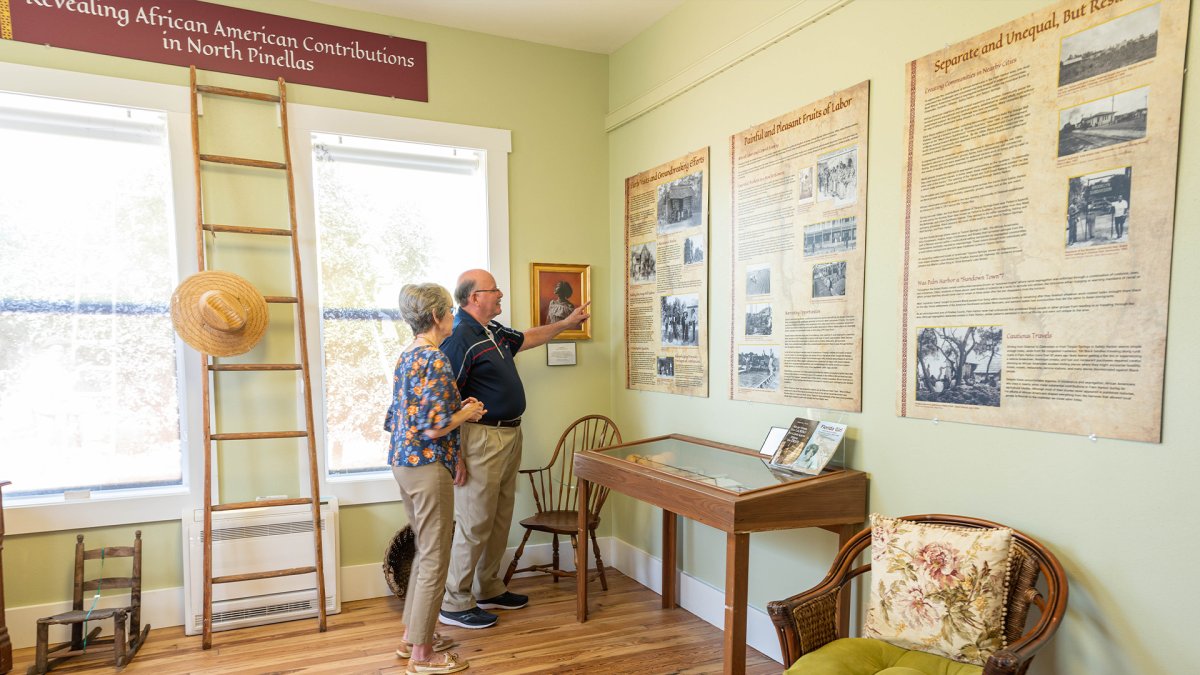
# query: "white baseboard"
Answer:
x=359 y=582
x=695 y=596
x=163 y=607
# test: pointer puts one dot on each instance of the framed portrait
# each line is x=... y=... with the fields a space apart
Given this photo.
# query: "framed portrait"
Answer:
x=555 y=291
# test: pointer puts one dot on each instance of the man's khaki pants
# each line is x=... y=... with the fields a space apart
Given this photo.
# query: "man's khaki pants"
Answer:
x=483 y=509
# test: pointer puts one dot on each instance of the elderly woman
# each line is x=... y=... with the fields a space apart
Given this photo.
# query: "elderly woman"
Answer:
x=423 y=419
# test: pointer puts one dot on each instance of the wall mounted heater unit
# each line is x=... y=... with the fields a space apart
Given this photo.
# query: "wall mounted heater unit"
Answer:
x=254 y=540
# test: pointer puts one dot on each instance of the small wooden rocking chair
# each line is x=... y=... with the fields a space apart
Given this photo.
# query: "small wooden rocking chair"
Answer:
x=124 y=645
x=554 y=494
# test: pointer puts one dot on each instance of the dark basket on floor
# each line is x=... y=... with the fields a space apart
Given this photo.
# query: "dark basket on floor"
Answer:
x=397 y=561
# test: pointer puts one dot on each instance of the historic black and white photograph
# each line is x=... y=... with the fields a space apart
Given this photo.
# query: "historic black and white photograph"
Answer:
x=758 y=319
x=758 y=367
x=837 y=177
x=758 y=279
x=804 y=184
x=832 y=236
x=1098 y=208
x=829 y=279
x=1103 y=122
x=693 y=249
x=666 y=366
x=1124 y=41
x=641 y=263
x=680 y=203
x=680 y=320
x=959 y=365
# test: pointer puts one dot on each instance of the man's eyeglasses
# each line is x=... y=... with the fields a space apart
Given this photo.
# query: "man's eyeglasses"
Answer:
x=486 y=290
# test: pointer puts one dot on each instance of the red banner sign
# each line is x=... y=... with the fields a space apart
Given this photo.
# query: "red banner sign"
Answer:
x=225 y=39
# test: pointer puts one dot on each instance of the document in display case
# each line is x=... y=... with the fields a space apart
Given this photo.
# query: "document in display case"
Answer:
x=725 y=487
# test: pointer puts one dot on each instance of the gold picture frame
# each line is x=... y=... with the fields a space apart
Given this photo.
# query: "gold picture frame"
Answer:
x=550 y=301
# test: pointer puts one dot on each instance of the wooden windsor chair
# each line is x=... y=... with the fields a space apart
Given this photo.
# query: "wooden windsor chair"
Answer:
x=554 y=495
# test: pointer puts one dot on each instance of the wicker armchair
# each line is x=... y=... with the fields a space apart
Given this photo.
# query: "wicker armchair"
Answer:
x=809 y=620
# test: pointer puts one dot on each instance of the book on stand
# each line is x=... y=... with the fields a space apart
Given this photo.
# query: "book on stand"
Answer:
x=808 y=446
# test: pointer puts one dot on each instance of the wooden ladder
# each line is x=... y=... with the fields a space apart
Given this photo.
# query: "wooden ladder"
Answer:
x=210 y=367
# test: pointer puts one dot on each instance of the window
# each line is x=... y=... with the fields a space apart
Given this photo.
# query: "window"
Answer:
x=96 y=229
x=90 y=378
x=388 y=213
x=393 y=201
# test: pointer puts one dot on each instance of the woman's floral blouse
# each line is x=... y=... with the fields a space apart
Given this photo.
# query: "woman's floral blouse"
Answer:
x=424 y=396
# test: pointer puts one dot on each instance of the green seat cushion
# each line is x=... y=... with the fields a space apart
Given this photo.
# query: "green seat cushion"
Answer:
x=863 y=656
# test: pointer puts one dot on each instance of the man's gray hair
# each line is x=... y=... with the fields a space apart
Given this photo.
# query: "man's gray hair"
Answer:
x=462 y=293
x=420 y=303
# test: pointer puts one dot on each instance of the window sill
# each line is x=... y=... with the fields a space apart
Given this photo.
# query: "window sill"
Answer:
x=50 y=514
x=371 y=488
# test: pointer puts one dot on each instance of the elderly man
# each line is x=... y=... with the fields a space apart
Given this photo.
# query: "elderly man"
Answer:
x=481 y=351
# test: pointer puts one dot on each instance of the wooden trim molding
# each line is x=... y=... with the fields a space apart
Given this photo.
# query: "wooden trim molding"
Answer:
x=6 y=659
x=795 y=18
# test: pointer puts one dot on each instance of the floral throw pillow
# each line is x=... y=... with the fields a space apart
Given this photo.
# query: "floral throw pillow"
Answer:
x=937 y=588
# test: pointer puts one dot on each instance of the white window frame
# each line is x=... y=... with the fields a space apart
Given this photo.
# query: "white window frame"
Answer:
x=140 y=505
x=303 y=121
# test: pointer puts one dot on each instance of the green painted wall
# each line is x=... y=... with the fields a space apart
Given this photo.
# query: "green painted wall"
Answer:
x=1111 y=510
x=553 y=100
x=688 y=35
x=1117 y=513
x=39 y=568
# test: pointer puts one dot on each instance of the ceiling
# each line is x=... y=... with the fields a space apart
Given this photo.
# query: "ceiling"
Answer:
x=599 y=26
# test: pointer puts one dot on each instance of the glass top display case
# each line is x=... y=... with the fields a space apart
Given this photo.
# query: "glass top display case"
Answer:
x=725 y=487
x=723 y=467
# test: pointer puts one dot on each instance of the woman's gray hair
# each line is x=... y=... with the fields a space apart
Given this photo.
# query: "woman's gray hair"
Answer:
x=420 y=303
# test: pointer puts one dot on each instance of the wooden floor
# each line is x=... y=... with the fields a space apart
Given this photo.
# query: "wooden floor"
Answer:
x=626 y=632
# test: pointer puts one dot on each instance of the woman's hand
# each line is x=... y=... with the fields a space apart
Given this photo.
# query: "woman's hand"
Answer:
x=474 y=408
x=471 y=411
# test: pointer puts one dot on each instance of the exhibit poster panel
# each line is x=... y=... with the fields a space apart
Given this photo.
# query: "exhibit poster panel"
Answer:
x=666 y=277
x=799 y=226
x=1039 y=186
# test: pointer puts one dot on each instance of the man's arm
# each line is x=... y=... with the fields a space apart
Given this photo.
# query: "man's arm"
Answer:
x=540 y=335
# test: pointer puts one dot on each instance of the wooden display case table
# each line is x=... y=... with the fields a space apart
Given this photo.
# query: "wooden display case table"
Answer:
x=726 y=487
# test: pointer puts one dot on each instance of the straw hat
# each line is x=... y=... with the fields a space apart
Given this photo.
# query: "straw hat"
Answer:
x=219 y=313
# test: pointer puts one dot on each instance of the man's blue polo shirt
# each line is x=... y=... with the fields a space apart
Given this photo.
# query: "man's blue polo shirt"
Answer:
x=484 y=365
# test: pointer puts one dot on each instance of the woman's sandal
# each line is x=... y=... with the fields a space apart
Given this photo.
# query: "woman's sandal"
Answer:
x=440 y=644
x=450 y=664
